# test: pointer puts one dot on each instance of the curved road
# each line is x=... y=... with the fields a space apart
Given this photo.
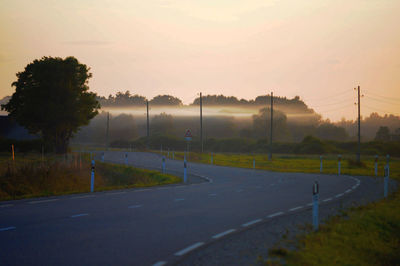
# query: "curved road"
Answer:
x=155 y=225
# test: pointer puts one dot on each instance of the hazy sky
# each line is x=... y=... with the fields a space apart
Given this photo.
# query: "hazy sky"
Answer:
x=316 y=49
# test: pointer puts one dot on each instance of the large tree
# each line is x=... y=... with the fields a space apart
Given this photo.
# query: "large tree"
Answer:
x=52 y=99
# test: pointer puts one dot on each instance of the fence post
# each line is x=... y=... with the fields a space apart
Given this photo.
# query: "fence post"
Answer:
x=315 y=205
x=339 y=163
x=92 y=178
x=376 y=165
x=320 y=164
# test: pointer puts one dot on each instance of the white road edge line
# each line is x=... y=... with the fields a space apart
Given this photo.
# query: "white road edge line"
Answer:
x=224 y=233
x=339 y=195
x=251 y=222
x=79 y=215
x=41 y=201
x=6 y=205
x=160 y=263
x=83 y=197
x=7 y=228
x=275 y=214
x=116 y=193
x=328 y=199
x=295 y=208
x=135 y=206
x=347 y=191
x=188 y=249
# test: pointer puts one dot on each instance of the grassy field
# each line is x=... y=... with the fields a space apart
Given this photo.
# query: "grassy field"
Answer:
x=367 y=235
x=295 y=163
x=31 y=176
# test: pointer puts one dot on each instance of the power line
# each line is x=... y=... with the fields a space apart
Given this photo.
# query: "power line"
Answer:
x=380 y=110
x=331 y=96
x=384 y=97
x=382 y=101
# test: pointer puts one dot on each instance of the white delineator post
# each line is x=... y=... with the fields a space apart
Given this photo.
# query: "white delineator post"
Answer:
x=126 y=158
x=92 y=178
x=386 y=178
x=315 y=205
x=320 y=164
x=102 y=157
x=254 y=163
x=376 y=165
x=339 y=163
x=184 y=170
x=163 y=164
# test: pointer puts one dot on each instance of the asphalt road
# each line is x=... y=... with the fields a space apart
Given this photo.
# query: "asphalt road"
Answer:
x=155 y=225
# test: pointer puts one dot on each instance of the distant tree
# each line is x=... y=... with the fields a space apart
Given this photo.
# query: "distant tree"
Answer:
x=329 y=131
x=261 y=124
x=162 y=124
x=166 y=100
x=52 y=98
x=383 y=134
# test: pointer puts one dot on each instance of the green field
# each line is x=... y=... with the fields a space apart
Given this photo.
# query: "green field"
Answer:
x=30 y=175
x=296 y=163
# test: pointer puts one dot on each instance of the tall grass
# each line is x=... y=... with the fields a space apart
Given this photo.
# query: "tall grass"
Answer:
x=33 y=176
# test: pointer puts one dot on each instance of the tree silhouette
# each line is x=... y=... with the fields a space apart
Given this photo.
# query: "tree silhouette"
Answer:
x=52 y=98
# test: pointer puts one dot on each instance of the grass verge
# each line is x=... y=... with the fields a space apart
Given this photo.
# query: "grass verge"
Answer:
x=366 y=235
x=297 y=163
x=31 y=176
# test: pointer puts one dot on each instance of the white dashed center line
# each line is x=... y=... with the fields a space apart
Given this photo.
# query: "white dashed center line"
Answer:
x=79 y=215
x=339 y=195
x=7 y=228
x=223 y=233
x=188 y=249
x=328 y=199
x=135 y=206
x=347 y=191
x=160 y=263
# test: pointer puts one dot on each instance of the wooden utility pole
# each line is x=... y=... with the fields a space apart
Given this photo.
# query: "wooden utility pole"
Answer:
x=271 y=126
x=107 y=130
x=148 y=126
x=359 y=127
x=201 y=122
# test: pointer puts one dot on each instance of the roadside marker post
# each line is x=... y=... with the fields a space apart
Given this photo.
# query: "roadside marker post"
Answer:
x=315 y=205
x=254 y=163
x=12 y=149
x=320 y=164
x=188 y=138
x=92 y=178
x=126 y=158
x=184 y=170
x=376 y=165
x=163 y=164
x=339 y=163
x=102 y=157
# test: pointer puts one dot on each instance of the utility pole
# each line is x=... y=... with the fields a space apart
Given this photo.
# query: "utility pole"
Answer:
x=108 y=130
x=201 y=122
x=359 y=125
x=272 y=120
x=148 y=126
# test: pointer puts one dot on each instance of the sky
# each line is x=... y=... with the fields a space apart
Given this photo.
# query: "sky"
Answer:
x=318 y=50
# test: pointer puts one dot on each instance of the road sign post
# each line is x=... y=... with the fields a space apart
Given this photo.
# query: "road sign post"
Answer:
x=315 y=205
x=376 y=165
x=184 y=170
x=92 y=178
x=339 y=163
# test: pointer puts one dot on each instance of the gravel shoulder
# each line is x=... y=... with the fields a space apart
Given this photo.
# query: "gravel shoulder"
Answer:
x=250 y=247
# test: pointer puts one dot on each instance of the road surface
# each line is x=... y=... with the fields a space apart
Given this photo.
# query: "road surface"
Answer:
x=157 y=225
